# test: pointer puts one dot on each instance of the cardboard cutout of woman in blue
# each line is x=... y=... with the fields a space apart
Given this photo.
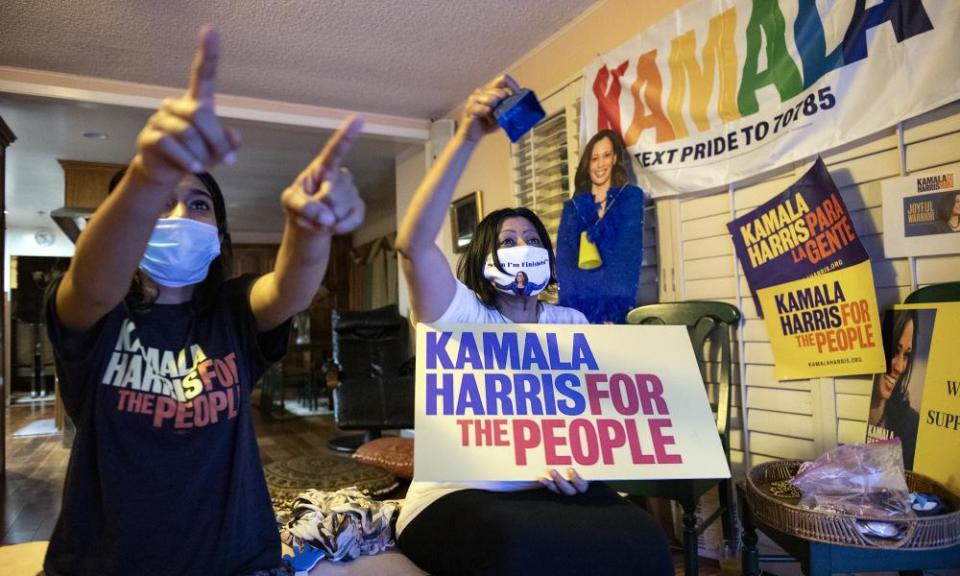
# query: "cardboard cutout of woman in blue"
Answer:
x=607 y=211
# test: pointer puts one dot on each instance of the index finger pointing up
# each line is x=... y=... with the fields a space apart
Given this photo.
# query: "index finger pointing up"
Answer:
x=338 y=146
x=203 y=76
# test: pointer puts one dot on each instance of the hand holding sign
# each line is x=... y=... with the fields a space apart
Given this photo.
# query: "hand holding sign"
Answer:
x=185 y=135
x=323 y=199
x=572 y=484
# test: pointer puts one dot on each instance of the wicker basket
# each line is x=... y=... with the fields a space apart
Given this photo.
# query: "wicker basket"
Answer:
x=922 y=533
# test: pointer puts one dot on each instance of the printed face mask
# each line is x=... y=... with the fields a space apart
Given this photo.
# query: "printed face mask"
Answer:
x=527 y=270
x=180 y=251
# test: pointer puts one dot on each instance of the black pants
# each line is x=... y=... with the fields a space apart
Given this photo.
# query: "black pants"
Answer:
x=475 y=532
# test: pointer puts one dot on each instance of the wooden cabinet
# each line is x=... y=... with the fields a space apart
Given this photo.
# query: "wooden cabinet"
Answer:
x=334 y=294
x=85 y=184
x=253 y=258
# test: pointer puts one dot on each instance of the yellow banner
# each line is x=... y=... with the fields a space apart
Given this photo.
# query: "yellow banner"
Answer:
x=938 y=435
x=825 y=325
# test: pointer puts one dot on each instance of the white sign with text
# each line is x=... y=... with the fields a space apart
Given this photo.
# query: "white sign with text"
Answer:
x=507 y=402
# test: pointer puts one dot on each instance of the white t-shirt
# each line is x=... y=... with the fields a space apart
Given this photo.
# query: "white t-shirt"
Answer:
x=466 y=308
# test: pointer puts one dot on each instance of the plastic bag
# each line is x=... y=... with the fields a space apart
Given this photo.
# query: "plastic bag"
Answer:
x=865 y=480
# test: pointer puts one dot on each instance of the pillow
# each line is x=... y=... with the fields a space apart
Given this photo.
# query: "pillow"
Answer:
x=392 y=453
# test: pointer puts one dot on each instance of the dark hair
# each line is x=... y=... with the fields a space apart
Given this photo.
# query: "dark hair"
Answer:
x=485 y=241
x=945 y=206
x=899 y=400
x=618 y=178
x=206 y=293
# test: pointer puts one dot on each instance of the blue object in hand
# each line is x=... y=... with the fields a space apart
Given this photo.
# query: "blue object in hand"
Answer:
x=304 y=558
x=518 y=113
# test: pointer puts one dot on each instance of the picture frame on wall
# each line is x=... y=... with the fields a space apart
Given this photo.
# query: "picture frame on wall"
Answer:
x=921 y=213
x=465 y=214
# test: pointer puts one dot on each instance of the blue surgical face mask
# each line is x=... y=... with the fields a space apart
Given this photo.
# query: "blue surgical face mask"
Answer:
x=180 y=251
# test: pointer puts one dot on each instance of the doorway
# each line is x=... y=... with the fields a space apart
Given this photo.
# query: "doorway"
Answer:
x=31 y=359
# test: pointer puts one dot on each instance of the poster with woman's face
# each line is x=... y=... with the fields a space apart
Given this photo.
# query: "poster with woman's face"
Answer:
x=921 y=213
x=897 y=393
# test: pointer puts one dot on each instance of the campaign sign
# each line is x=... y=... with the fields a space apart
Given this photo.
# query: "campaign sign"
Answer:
x=928 y=387
x=921 y=213
x=803 y=231
x=509 y=401
x=825 y=325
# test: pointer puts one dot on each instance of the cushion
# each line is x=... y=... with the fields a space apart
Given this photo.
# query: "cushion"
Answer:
x=392 y=453
x=24 y=559
x=389 y=563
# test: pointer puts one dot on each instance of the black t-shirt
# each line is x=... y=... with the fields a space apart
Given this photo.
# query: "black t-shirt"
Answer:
x=164 y=475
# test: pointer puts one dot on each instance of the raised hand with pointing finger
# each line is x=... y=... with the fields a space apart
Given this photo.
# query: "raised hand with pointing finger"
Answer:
x=185 y=136
x=321 y=202
x=159 y=349
x=323 y=198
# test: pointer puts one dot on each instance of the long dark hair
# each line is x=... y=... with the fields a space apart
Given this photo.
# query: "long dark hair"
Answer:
x=220 y=268
x=618 y=178
x=945 y=206
x=485 y=241
x=899 y=400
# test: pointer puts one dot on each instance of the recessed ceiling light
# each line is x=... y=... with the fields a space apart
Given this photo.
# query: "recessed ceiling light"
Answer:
x=95 y=135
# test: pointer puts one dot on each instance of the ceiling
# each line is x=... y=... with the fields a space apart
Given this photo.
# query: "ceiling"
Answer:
x=269 y=159
x=412 y=60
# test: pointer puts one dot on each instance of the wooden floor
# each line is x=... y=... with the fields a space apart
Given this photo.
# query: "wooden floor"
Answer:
x=37 y=465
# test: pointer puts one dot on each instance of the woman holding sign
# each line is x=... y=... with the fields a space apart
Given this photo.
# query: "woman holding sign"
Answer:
x=158 y=352
x=563 y=524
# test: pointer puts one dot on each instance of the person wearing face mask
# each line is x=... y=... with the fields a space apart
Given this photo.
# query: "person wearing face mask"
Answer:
x=561 y=524
x=600 y=239
x=158 y=351
x=891 y=415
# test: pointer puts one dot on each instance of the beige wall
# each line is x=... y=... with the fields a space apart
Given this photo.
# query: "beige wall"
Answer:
x=410 y=168
x=546 y=69
x=375 y=228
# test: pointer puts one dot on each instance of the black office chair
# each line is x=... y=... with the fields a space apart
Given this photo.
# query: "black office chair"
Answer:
x=710 y=324
x=375 y=376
